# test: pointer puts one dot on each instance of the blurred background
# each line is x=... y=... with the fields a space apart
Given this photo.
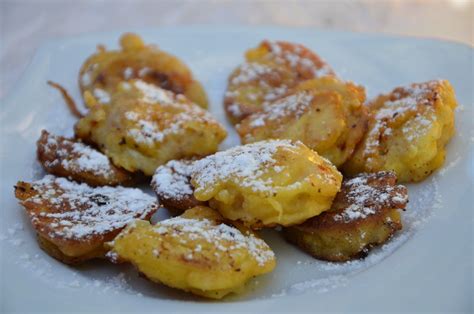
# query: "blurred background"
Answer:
x=26 y=24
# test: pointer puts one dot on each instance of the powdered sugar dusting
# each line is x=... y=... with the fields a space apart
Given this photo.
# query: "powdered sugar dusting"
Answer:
x=245 y=164
x=317 y=285
x=11 y=235
x=296 y=60
x=153 y=94
x=279 y=70
x=251 y=71
x=173 y=179
x=144 y=71
x=449 y=166
x=366 y=199
x=295 y=104
x=149 y=130
x=78 y=211
x=414 y=99
x=128 y=73
x=101 y=95
x=76 y=157
x=235 y=110
x=86 y=78
x=226 y=238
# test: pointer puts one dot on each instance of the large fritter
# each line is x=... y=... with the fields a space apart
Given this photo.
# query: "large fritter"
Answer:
x=365 y=213
x=408 y=131
x=104 y=70
x=267 y=183
x=196 y=252
x=269 y=71
x=77 y=161
x=74 y=220
x=325 y=114
x=145 y=126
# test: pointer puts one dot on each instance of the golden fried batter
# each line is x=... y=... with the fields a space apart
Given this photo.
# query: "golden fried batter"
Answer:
x=267 y=183
x=270 y=70
x=364 y=214
x=104 y=70
x=146 y=126
x=74 y=220
x=325 y=114
x=77 y=161
x=172 y=184
x=195 y=252
x=408 y=132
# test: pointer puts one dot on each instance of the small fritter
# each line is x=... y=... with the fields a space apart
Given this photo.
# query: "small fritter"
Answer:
x=146 y=126
x=268 y=183
x=104 y=70
x=325 y=114
x=270 y=70
x=364 y=214
x=74 y=220
x=408 y=131
x=195 y=252
x=79 y=162
x=172 y=184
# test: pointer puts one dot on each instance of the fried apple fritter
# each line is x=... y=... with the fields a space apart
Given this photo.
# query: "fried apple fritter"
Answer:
x=104 y=70
x=146 y=126
x=408 y=131
x=74 y=220
x=172 y=184
x=325 y=114
x=268 y=183
x=269 y=71
x=195 y=252
x=364 y=215
x=77 y=161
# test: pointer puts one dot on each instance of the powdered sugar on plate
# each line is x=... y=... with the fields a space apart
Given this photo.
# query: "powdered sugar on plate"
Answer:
x=327 y=276
x=304 y=275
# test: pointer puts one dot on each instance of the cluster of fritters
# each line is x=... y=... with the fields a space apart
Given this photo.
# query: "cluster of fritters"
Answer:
x=317 y=161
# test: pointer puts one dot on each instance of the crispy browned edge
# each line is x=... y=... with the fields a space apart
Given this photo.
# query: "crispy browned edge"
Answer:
x=119 y=176
x=94 y=244
x=295 y=237
x=325 y=222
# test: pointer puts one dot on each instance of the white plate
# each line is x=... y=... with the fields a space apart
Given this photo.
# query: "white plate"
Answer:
x=428 y=266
